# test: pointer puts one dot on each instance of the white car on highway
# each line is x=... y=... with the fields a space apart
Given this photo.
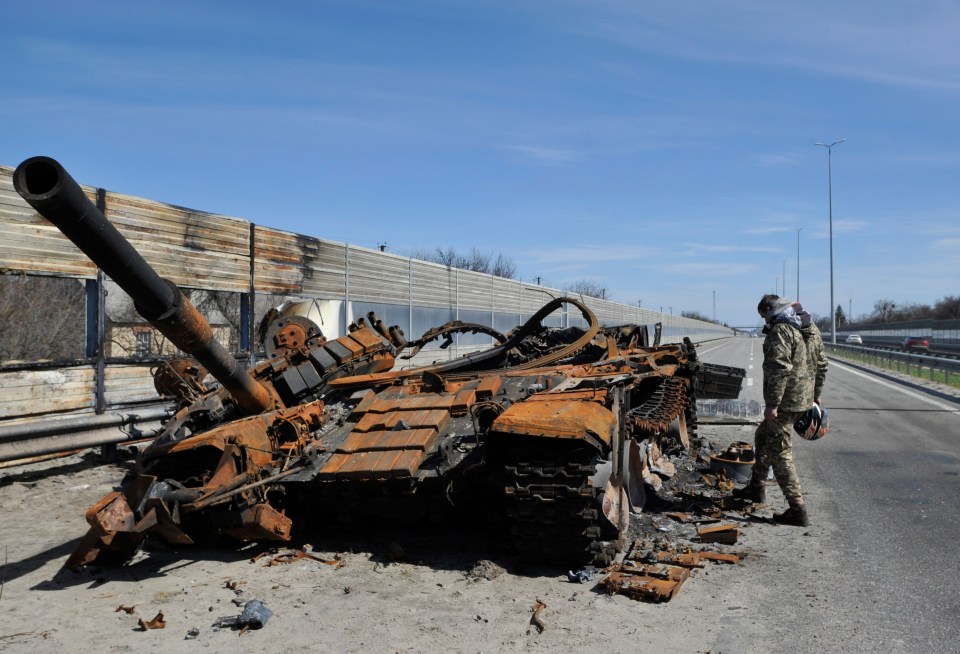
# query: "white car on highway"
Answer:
x=854 y=339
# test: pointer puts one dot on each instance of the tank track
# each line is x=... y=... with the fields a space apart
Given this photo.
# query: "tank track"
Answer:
x=665 y=404
x=552 y=507
x=693 y=429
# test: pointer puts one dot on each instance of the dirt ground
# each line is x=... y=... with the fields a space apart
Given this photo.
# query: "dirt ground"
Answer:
x=400 y=588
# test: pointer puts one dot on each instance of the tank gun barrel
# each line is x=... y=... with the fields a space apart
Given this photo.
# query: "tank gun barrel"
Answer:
x=56 y=196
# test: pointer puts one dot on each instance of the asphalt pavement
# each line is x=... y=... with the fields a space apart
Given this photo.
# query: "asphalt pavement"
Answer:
x=878 y=569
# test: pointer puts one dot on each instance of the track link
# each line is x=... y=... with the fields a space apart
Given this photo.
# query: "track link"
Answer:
x=552 y=507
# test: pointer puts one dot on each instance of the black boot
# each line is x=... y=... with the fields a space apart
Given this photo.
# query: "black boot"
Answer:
x=796 y=515
x=754 y=491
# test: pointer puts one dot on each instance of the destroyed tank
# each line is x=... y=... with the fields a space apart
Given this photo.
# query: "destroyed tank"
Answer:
x=559 y=433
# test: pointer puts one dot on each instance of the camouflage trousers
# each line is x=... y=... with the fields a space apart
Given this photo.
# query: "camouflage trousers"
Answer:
x=773 y=445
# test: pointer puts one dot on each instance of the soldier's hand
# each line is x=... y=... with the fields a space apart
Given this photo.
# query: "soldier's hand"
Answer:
x=770 y=413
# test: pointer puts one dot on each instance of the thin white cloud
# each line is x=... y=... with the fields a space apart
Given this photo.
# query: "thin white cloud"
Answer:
x=899 y=44
x=715 y=248
x=585 y=254
x=542 y=154
x=952 y=244
x=771 y=229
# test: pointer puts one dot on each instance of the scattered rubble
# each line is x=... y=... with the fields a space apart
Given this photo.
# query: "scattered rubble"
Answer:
x=156 y=623
x=485 y=569
x=536 y=620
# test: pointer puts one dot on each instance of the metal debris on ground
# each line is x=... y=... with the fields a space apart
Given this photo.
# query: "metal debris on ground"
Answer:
x=655 y=572
x=721 y=557
x=156 y=623
x=254 y=616
x=582 y=576
x=735 y=462
x=726 y=534
x=285 y=556
x=535 y=619
x=654 y=583
x=129 y=610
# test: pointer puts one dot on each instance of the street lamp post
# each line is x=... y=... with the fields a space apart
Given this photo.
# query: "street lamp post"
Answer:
x=833 y=311
x=798 y=262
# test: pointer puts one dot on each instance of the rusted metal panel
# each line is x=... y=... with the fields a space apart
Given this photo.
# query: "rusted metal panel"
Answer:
x=30 y=243
x=558 y=419
x=435 y=418
x=378 y=277
x=413 y=403
x=413 y=439
x=489 y=386
x=367 y=341
x=128 y=384
x=38 y=392
x=290 y=263
x=191 y=248
x=433 y=285
x=723 y=533
x=653 y=583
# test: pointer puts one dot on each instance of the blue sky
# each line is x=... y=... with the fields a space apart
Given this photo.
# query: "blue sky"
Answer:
x=665 y=149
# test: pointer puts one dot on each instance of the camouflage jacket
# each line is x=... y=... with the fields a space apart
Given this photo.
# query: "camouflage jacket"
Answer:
x=788 y=376
x=816 y=356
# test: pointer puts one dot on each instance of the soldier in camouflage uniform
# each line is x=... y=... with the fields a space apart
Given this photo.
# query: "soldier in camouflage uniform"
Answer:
x=794 y=370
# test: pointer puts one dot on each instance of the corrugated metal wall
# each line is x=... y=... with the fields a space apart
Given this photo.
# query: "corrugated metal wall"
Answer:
x=203 y=250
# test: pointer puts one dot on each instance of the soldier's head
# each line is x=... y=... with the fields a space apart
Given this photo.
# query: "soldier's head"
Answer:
x=766 y=303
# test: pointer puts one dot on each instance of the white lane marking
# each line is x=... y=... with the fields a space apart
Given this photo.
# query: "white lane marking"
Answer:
x=749 y=381
x=713 y=348
x=750 y=367
x=940 y=405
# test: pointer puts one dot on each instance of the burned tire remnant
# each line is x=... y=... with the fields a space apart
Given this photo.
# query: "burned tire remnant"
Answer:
x=562 y=430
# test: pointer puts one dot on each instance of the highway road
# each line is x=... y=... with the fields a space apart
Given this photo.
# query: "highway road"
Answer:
x=878 y=570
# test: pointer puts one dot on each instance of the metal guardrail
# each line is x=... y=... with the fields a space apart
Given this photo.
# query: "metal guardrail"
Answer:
x=23 y=440
x=901 y=361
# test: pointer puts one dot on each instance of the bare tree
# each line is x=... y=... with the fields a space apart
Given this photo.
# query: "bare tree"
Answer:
x=695 y=315
x=475 y=260
x=41 y=318
x=588 y=287
x=883 y=310
x=504 y=267
x=948 y=308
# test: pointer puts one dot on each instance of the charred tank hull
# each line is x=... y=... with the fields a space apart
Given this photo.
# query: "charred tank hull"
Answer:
x=558 y=431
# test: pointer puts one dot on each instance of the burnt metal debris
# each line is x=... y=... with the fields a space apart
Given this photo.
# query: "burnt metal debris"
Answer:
x=655 y=573
x=560 y=431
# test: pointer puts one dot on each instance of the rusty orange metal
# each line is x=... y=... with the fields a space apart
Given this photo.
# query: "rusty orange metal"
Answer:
x=652 y=583
x=558 y=419
x=723 y=533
